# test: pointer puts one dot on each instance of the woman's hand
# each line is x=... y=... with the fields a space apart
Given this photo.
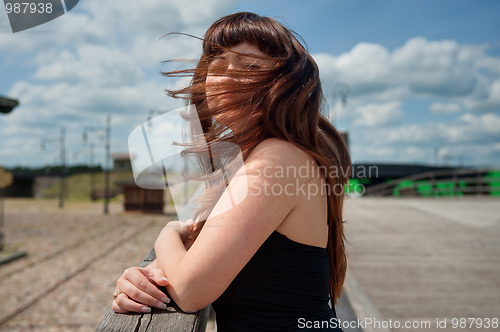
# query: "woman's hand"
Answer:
x=137 y=290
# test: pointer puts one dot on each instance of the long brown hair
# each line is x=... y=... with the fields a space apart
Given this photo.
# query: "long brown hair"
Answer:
x=282 y=100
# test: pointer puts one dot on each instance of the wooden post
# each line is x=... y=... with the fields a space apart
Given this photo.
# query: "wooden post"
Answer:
x=6 y=179
x=2 y=224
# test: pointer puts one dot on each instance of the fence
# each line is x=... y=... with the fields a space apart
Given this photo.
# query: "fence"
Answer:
x=454 y=182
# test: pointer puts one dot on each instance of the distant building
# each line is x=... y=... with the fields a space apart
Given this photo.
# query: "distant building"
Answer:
x=27 y=184
x=121 y=162
x=137 y=199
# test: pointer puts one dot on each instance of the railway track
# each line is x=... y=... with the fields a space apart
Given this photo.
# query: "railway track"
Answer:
x=26 y=291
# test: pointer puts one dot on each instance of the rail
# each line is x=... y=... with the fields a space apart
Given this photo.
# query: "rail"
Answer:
x=464 y=181
x=171 y=319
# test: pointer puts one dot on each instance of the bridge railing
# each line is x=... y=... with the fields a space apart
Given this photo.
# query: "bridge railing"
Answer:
x=464 y=181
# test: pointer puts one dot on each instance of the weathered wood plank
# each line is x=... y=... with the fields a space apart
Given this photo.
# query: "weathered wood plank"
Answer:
x=171 y=319
x=156 y=321
x=113 y=322
x=175 y=321
x=151 y=256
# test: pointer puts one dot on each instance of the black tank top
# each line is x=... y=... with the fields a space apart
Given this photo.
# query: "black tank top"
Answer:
x=284 y=287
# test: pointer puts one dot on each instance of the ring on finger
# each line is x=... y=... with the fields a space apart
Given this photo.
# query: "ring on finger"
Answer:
x=116 y=293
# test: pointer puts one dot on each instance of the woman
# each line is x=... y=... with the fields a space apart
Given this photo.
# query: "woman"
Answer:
x=273 y=261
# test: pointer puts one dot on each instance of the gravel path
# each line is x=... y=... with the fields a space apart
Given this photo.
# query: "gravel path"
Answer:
x=74 y=257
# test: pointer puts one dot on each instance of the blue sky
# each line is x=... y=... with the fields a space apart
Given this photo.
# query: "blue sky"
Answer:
x=421 y=76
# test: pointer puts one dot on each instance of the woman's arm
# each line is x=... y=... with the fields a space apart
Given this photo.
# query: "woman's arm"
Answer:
x=231 y=234
x=138 y=287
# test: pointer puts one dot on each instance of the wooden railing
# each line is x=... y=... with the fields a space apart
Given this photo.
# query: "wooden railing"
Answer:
x=171 y=319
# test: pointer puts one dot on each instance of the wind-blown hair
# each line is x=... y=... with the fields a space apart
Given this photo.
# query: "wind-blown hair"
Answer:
x=282 y=99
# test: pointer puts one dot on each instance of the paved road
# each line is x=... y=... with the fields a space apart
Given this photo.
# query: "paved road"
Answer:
x=422 y=260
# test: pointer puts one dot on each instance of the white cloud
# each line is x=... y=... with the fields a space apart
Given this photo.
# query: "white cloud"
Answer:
x=486 y=62
x=423 y=68
x=98 y=59
x=115 y=24
x=470 y=139
x=378 y=114
x=443 y=77
x=445 y=108
x=435 y=67
x=414 y=153
x=467 y=128
x=93 y=65
x=105 y=58
x=382 y=152
x=366 y=68
x=42 y=104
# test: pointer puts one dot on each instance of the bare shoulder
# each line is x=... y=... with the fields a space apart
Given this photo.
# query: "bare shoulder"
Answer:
x=276 y=151
x=292 y=177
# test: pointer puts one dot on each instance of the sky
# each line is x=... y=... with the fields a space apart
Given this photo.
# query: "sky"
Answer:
x=420 y=78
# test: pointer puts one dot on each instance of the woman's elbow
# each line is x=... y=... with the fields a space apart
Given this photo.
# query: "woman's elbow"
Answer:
x=191 y=306
x=187 y=299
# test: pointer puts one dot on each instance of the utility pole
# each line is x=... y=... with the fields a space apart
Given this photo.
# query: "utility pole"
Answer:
x=63 y=167
x=90 y=165
x=92 y=162
x=107 y=163
x=340 y=90
x=62 y=162
x=107 y=157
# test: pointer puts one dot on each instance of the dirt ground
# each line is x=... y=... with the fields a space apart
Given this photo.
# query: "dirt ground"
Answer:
x=74 y=256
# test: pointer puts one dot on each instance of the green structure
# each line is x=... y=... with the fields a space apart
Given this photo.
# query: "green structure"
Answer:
x=444 y=183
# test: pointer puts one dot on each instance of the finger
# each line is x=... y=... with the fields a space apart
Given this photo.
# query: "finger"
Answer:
x=155 y=276
x=141 y=279
x=158 y=277
x=123 y=304
x=138 y=294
